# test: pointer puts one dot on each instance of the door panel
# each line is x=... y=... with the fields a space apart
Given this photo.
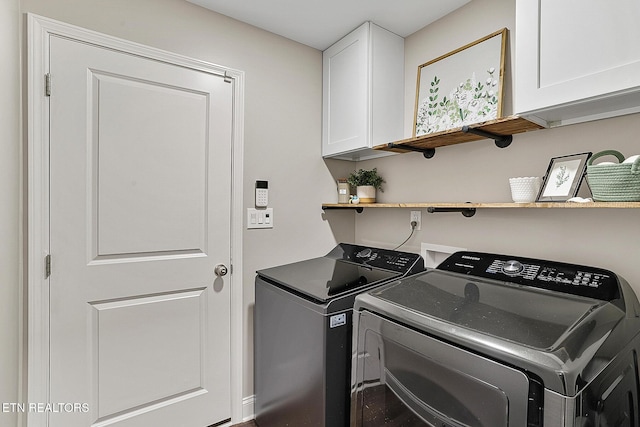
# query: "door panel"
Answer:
x=140 y=173
x=159 y=181
x=130 y=372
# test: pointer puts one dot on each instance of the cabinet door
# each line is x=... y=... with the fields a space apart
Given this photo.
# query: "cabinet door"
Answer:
x=345 y=93
x=580 y=59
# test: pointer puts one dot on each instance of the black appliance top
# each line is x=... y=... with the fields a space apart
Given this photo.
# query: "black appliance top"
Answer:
x=345 y=269
x=511 y=304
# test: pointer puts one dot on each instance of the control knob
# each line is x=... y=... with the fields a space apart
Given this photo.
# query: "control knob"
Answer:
x=512 y=267
x=365 y=253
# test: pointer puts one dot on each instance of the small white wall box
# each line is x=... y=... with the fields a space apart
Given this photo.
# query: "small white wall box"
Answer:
x=434 y=254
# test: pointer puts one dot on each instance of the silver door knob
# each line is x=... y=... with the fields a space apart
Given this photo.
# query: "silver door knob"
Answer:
x=220 y=270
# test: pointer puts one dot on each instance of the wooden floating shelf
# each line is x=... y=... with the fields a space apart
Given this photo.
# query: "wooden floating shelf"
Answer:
x=502 y=127
x=544 y=205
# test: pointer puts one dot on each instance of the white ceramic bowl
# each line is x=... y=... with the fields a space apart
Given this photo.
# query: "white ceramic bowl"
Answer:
x=525 y=189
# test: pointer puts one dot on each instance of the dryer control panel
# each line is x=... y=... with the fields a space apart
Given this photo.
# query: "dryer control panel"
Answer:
x=573 y=279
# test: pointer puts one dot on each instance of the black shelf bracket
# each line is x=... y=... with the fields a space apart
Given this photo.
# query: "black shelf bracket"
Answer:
x=502 y=141
x=426 y=152
x=466 y=212
x=358 y=209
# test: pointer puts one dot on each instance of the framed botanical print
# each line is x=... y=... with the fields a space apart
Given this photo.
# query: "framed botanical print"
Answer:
x=563 y=178
x=461 y=88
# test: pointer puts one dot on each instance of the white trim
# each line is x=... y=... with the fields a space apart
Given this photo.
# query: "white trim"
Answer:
x=37 y=242
x=237 y=215
x=37 y=341
x=248 y=404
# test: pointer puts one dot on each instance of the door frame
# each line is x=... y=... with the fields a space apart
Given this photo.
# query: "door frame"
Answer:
x=35 y=356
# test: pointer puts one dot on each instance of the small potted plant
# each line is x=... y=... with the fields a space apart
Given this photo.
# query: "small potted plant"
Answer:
x=366 y=183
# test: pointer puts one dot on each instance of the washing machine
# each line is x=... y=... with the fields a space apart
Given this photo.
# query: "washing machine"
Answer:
x=303 y=332
x=490 y=340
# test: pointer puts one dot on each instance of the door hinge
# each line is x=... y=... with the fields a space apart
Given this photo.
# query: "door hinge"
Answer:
x=47 y=84
x=47 y=266
x=227 y=78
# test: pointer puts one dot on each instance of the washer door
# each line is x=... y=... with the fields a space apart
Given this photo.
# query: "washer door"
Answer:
x=403 y=377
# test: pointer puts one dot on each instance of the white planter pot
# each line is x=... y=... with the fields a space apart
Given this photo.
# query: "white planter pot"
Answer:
x=366 y=193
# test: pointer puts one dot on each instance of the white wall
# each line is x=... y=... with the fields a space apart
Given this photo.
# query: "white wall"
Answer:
x=9 y=206
x=283 y=88
x=479 y=172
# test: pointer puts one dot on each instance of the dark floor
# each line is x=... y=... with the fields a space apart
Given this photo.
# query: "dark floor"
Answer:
x=247 y=424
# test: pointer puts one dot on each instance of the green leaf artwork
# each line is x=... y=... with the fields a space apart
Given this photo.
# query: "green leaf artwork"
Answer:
x=562 y=176
x=471 y=101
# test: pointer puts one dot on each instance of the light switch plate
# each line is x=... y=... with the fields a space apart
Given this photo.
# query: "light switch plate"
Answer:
x=259 y=218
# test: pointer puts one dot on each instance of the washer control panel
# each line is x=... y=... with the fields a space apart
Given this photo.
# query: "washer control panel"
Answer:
x=385 y=259
x=573 y=279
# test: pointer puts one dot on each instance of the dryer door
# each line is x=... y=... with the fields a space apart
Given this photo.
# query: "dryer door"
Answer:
x=403 y=377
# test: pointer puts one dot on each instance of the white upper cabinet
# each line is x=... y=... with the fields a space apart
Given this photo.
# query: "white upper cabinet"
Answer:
x=363 y=93
x=577 y=60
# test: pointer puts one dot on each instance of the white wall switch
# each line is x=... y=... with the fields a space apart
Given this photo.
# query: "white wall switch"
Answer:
x=259 y=218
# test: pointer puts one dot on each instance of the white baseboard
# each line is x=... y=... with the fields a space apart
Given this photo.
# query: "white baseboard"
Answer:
x=247 y=408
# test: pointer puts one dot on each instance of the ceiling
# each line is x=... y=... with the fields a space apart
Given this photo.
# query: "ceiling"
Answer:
x=320 y=23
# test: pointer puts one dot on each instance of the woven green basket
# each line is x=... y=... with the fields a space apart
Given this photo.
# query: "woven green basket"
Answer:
x=614 y=183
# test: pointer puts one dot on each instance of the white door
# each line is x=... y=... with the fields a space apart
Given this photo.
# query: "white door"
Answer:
x=140 y=188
